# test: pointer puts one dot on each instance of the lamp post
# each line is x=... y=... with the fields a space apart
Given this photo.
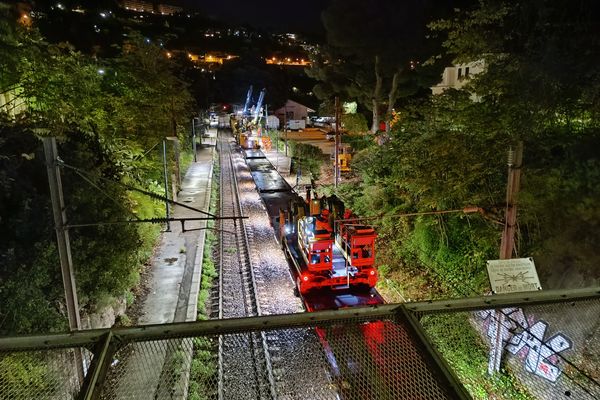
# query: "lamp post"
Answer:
x=194 y=138
x=336 y=166
x=167 y=211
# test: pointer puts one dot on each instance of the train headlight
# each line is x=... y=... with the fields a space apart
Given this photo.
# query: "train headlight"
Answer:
x=305 y=278
x=372 y=272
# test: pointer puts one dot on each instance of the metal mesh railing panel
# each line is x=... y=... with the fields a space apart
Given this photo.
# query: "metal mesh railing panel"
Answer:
x=350 y=359
x=157 y=369
x=42 y=374
x=379 y=360
x=549 y=351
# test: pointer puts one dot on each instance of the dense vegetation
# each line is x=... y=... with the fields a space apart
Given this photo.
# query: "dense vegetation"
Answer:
x=539 y=85
x=449 y=151
x=109 y=115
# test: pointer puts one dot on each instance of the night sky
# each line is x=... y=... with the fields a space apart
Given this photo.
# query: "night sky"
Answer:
x=285 y=16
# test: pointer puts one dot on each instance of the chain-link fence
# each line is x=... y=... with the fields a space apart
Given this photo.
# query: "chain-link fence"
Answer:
x=544 y=351
x=435 y=350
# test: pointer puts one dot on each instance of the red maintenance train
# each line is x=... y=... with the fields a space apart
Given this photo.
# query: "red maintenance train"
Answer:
x=327 y=245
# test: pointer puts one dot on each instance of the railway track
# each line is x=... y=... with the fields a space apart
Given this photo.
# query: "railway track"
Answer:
x=254 y=280
x=238 y=296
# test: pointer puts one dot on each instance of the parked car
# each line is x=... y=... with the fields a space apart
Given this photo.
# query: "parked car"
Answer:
x=324 y=122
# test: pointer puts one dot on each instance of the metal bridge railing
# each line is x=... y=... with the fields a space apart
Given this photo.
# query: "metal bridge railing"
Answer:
x=425 y=350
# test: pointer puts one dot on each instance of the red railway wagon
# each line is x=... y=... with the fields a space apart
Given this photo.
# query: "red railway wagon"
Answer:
x=321 y=257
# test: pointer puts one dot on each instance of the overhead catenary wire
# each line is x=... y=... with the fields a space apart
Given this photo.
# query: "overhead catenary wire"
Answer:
x=89 y=181
x=156 y=221
x=133 y=188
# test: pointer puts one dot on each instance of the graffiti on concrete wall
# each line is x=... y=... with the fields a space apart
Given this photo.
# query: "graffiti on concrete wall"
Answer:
x=525 y=338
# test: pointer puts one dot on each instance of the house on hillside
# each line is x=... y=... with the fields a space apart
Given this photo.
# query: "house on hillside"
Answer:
x=457 y=76
x=292 y=111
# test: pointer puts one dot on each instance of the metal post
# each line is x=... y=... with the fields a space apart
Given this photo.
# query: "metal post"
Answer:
x=176 y=158
x=166 y=185
x=104 y=350
x=515 y=159
x=62 y=234
x=336 y=165
x=285 y=128
x=194 y=139
x=202 y=131
x=63 y=243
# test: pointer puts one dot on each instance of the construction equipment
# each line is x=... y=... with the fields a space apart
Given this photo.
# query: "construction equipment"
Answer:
x=247 y=103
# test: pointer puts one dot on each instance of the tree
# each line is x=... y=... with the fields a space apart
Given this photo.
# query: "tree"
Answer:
x=374 y=53
x=541 y=58
x=541 y=84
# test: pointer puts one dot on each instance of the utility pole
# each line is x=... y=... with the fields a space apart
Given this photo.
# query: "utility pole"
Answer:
x=515 y=160
x=63 y=243
x=336 y=165
x=285 y=128
x=166 y=184
x=62 y=233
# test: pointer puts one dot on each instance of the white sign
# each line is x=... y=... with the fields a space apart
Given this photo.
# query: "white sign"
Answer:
x=513 y=275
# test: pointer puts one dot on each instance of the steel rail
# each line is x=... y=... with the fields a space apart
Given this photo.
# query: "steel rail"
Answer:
x=221 y=238
x=244 y=277
x=243 y=258
x=254 y=288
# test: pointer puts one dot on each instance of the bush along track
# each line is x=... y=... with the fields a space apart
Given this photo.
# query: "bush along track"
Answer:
x=204 y=364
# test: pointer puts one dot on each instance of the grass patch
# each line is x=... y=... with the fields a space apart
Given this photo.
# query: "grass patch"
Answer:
x=185 y=160
x=421 y=260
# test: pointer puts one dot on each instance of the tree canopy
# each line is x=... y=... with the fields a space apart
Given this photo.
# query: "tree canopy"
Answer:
x=449 y=151
x=375 y=53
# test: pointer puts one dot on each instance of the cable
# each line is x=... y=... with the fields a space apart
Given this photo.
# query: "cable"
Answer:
x=147 y=193
x=106 y=195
